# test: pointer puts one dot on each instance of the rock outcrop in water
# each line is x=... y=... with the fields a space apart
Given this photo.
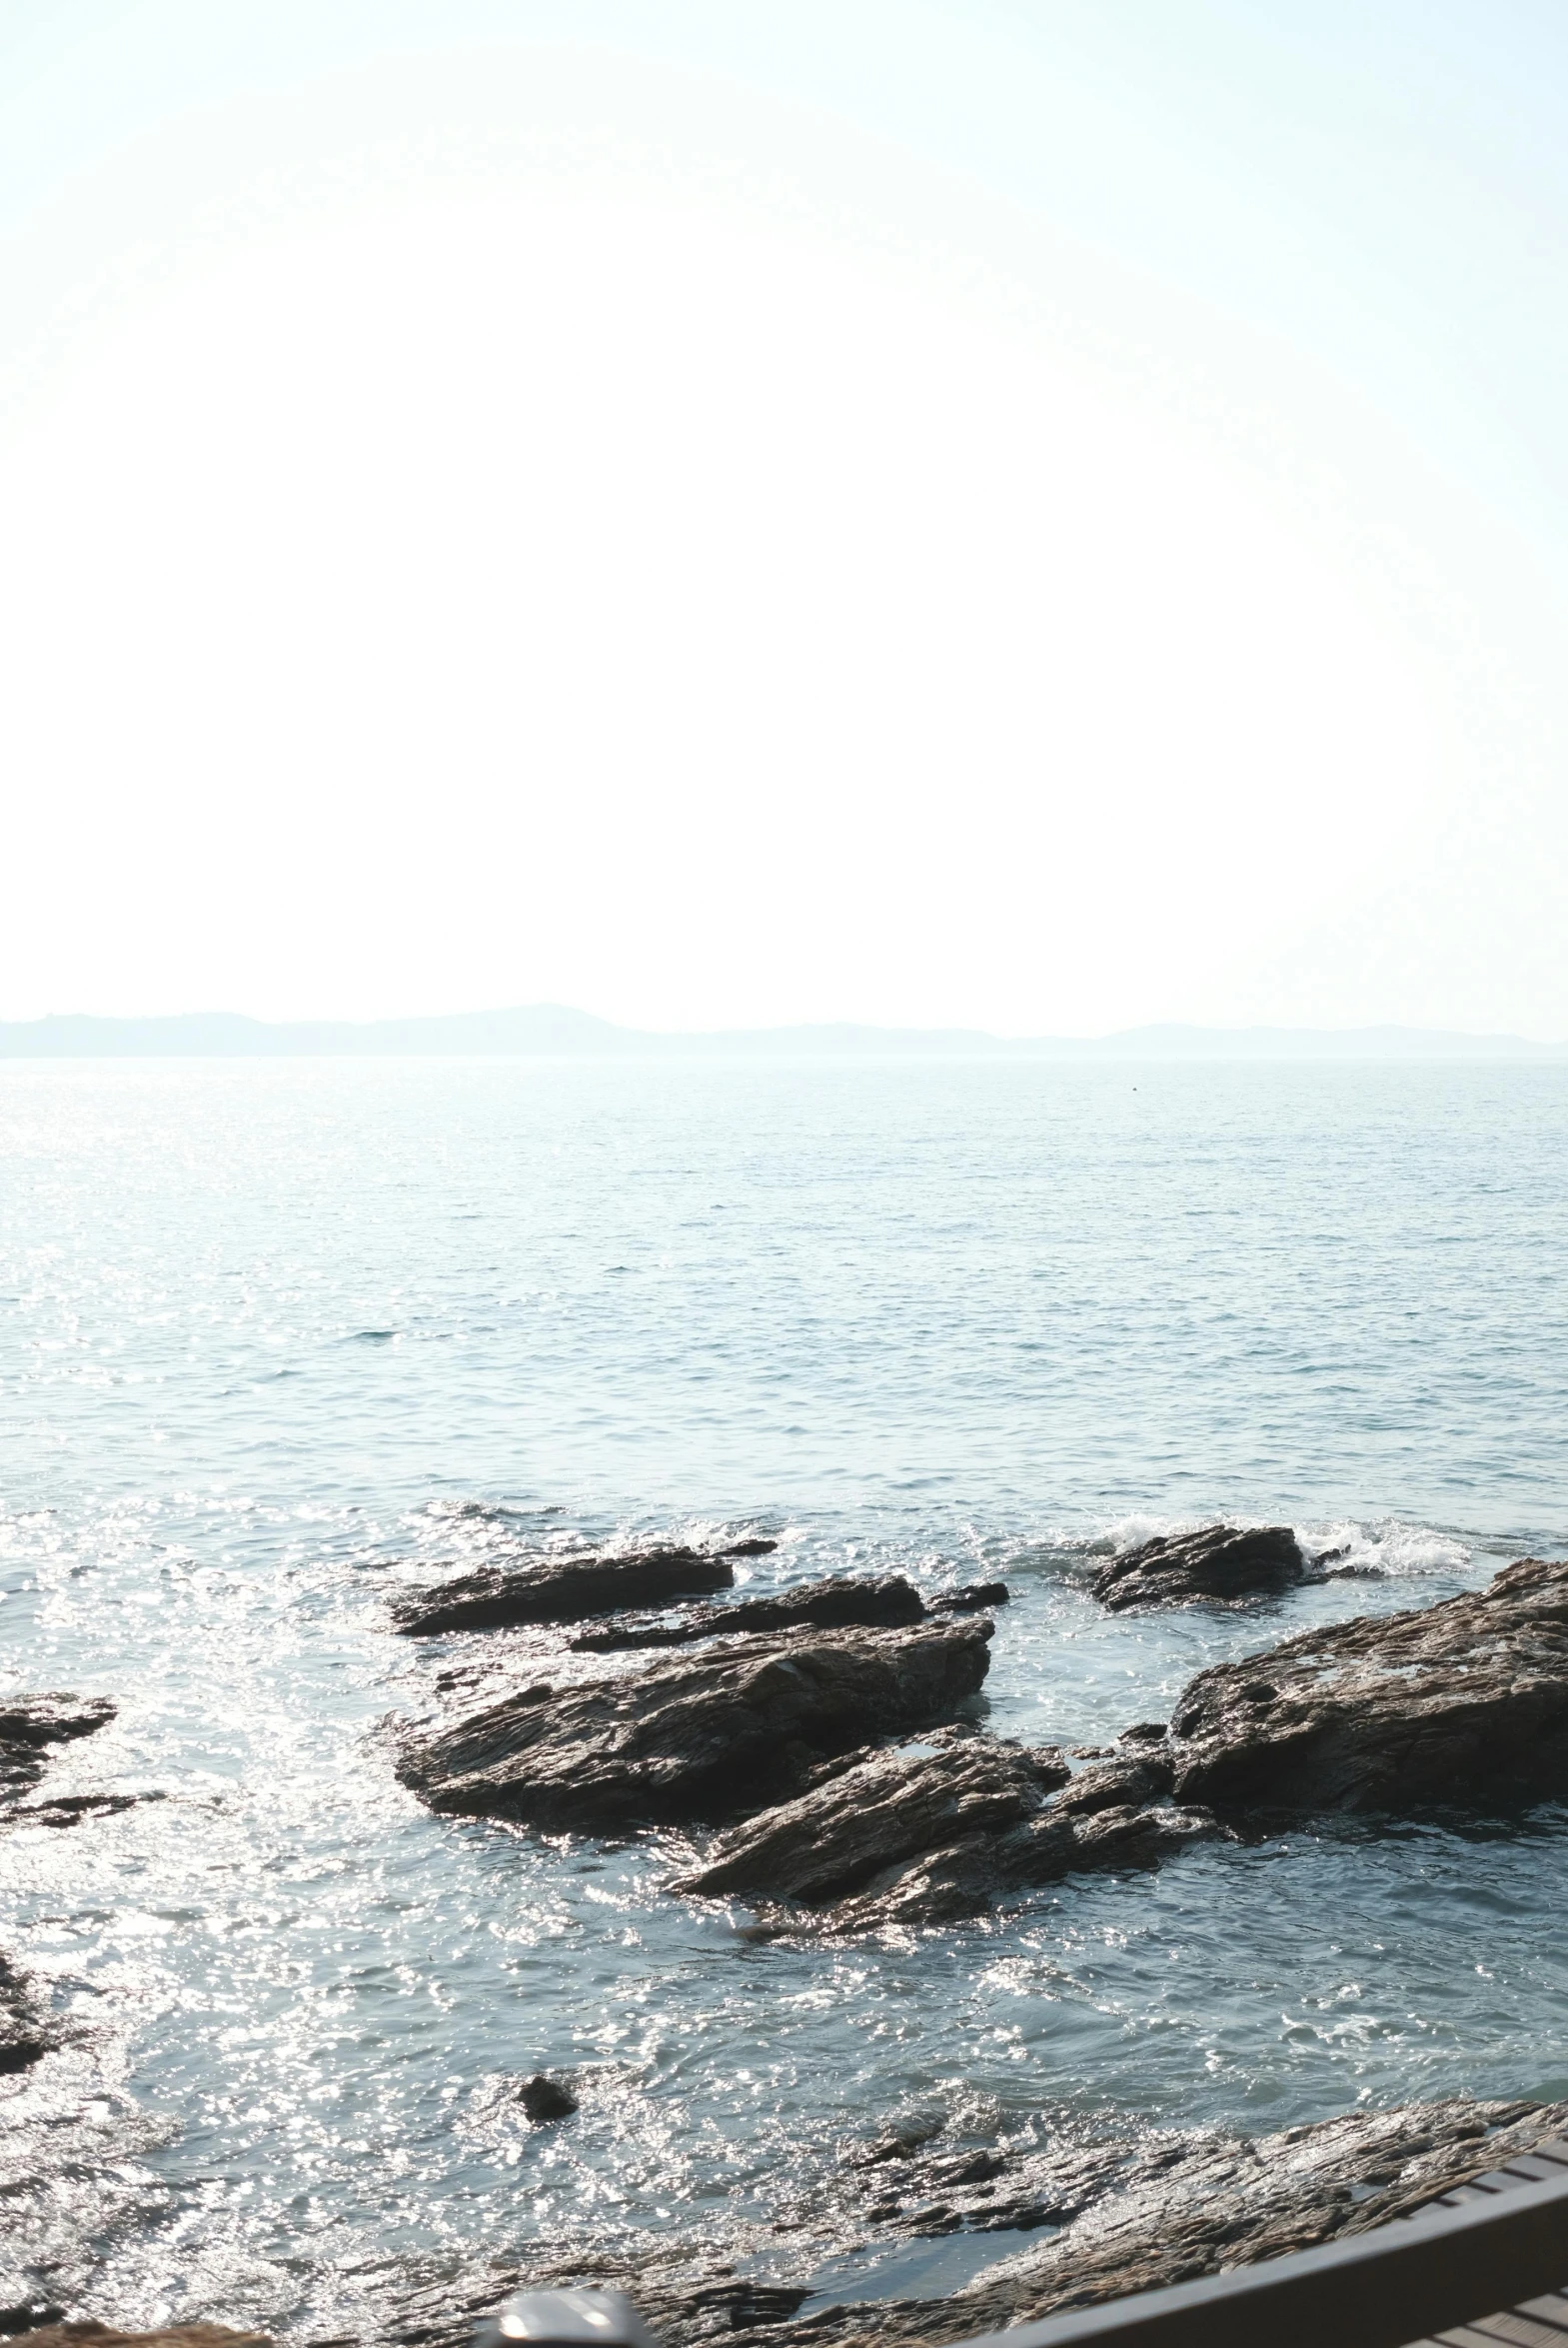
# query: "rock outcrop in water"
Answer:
x=701 y=1737
x=569 y=1589
x=841 y=1602
x=1221 y=1564
x=942 y=1832
x=30 y=1724
x=1459 y=1706
x=883 y=1810
x=1124 y=2216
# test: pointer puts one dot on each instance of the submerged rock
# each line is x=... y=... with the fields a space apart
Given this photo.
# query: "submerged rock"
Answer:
x=30 y=1724
x=842 y=1601
x=886 y=1808
x=1222 y=1564
x=1462 y=1704
x=544 y=2099
x=973 y=1598
x=26 y=2032
x=705 y=1736
x=567 y=1589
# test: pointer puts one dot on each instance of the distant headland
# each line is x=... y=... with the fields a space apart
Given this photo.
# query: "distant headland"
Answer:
x=552 y=1031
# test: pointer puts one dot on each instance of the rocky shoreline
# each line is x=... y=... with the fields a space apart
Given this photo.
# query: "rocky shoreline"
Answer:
x=813 y=1760
x=821 y=1736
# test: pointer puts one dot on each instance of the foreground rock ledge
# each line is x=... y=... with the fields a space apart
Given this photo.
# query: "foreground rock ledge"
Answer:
x=1163 y=2209
x=1459 y=1706
x=1221 y=1564
x=702 y=1737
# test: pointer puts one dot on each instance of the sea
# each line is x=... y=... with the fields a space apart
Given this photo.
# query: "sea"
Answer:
x=279 y=1339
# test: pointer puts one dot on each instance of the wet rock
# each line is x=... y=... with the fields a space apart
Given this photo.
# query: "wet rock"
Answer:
x=1459 y=1706
x=1176 y=2207
x=544 y=2099
x=1222 y=1563
x=26 y=2032
x=890 y=1807
x=701 y=1737
x=69 y=1809
x=914 y=1839
x=1125 y=2214
x=842 y=1601
x=87 y=2334
x=973 y=1598
x=30 y=1724
x=567 y=1589
x=972 y=1875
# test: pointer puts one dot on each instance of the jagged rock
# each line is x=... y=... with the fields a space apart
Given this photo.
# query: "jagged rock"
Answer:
x=1131 y=2214
x=1174 y=2208
x=841 y=1602
x=1464 y=1705
x=972 y=1875
x=912 y=1840
x=828 y=1842
x=705 y=1736
x=1222 y=1563
x=29 y=1724
x=544 y=2099
x=567 y=1589
x=973 y=1598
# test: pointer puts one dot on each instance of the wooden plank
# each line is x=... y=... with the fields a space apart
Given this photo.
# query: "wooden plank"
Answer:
x=1522 y=2330
x=1551 y=2307
x=1383 y=2289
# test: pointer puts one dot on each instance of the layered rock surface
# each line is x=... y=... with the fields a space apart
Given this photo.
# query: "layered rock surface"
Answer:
x=883 y=1810
x=1109 y=2217
x=568 y=1589
x=838 y=1602
x=941 y=1833
x=1463 y=1704
x=701 y=1737
x=1220 y=1565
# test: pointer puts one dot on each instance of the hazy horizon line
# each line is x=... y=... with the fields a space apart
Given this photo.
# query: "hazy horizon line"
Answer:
x=547 y=1030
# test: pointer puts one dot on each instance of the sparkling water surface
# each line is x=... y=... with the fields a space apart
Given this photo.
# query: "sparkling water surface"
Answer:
x=276 y=1335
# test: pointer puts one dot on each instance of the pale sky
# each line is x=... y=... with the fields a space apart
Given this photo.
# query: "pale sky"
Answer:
x=1034 y=514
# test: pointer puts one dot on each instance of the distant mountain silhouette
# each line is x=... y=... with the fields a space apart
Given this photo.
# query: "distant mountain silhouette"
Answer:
x=550 y=1030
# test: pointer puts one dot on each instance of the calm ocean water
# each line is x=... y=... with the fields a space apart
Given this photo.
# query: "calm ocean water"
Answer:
x=276 y=1335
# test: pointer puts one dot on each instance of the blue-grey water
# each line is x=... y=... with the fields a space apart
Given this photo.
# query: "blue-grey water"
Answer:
x=279 y=1336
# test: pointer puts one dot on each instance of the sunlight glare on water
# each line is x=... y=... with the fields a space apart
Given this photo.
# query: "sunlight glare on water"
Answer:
x=281 y=1334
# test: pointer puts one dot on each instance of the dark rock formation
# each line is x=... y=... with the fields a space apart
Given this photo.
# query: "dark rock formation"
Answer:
x=69 y=1809
x=931 y=1836
x=705 y=1736
x=1462 y=1704
x=888 y=1808
x=29 y=1724
x=1130 y=2214
x=973 y=1874
x=1222 y=1564
x=973 y=1598
x=567 y=1590
x=841 y=1602
x=544 y=2099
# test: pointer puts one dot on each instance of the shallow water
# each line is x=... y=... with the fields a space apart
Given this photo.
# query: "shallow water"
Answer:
x=276 y=1335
